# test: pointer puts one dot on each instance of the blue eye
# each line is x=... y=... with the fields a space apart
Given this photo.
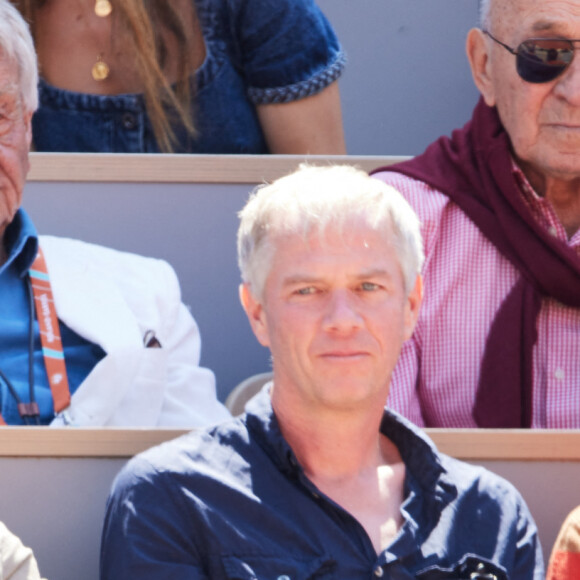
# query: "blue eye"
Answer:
x=306 y=291
x=369 y=286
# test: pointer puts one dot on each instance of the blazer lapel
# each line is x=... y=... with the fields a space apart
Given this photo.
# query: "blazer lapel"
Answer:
x=87 y=302
x=93 y=307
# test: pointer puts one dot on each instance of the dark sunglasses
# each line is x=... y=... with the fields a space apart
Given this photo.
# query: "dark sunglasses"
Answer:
x=540 y=60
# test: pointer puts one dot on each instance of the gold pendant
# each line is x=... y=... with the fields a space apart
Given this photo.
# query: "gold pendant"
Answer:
x=100 y=70
x=103 y=8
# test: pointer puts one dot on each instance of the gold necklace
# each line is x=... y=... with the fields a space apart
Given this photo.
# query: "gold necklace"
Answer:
x=101 y=70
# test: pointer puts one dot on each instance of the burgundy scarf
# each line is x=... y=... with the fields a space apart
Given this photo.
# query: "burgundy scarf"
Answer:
x=474 y=170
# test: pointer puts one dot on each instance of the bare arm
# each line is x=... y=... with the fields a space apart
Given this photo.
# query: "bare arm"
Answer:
x=312 y=125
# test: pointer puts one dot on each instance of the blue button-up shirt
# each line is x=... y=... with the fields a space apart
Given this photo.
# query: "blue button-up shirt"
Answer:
x=21 y=245
x=233 y=502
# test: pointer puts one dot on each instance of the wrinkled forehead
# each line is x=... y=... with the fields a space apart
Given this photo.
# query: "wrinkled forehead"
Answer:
x=334 y=239
x=333 y=255
x=504 y=15
x=530 y=17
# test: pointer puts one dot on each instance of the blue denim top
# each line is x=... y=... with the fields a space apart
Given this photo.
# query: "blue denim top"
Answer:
x=257 y=52
x=232 y=501
x=21 y=244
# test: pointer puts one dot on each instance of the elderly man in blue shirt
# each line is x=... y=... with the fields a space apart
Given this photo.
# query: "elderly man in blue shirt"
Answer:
x=317 y=479
x=88 y=336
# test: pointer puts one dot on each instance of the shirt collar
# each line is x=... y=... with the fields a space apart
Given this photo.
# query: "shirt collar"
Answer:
x=428 y=486
x=21 y=243
x=263 y=424
x=421 y=458
x=540 y=208
x=527 y=190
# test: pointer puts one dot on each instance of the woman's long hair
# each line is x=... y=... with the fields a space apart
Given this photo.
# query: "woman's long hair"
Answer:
x=143 y=21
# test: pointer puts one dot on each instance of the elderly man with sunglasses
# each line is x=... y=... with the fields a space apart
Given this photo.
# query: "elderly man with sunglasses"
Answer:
x=498 y=341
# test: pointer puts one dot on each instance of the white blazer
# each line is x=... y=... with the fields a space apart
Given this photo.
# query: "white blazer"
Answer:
x=114 y=299
x=17 y=562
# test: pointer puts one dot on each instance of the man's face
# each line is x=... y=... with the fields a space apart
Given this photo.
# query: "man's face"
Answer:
x=542 y=120
x=15 y=137
x=334 y=314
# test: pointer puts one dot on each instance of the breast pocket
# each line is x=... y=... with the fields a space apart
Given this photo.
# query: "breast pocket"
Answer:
x=266 y=567
x=470 y=567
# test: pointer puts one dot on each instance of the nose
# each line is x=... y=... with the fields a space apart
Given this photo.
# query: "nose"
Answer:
x=568 y=84
x=342 y=313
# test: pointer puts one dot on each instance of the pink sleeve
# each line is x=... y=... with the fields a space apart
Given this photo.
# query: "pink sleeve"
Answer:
x=429 y=205
x=403 y=393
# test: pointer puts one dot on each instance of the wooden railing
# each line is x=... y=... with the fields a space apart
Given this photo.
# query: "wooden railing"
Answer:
x=85 y=167
x=466 y=444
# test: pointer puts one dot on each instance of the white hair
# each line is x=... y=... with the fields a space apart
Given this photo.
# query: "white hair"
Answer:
x=313 y=198
x=16 y=43
x=484 y=13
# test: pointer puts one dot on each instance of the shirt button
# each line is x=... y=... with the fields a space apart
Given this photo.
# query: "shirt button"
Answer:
x=129 y=121
x=284 y=577
x=482 y=574
x=552 y=230
x=379 y=571
x=559 y=374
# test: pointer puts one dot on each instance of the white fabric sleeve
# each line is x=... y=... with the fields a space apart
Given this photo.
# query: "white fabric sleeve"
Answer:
x=17 y=562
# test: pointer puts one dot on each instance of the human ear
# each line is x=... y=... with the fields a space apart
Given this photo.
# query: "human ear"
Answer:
x=477 y=47
x=413 y=306
x=255 y=313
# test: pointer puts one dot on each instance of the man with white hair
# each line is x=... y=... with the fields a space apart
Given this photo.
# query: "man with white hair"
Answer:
x=88 y=336
x=317 y=479
x=498 y=340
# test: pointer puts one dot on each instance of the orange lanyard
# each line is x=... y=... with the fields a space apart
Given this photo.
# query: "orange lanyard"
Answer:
x=52 y=350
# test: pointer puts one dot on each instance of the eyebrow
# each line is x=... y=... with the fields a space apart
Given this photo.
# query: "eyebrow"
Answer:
x=364 y=275
x=375 y=273
x=300 y=279
x=542 y=25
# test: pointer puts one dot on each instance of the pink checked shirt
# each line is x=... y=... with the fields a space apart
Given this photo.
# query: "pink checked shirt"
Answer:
x=465 y=281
